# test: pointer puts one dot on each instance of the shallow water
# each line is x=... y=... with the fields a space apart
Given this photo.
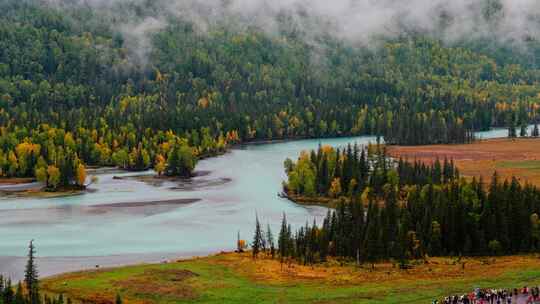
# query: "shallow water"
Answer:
x=500 y=133
x=241 y=183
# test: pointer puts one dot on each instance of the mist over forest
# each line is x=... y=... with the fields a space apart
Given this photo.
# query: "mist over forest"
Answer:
x=361 y=23
x=127 y=82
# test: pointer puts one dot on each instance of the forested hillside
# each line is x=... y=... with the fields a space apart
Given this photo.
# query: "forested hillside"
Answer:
x=74 y=89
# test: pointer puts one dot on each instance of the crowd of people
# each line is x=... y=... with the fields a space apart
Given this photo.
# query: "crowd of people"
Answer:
x=525 y=295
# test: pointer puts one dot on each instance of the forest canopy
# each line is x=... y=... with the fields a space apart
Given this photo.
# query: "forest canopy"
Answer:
x=76 y=89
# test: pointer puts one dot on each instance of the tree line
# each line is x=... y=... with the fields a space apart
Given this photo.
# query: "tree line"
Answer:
x=411 y=210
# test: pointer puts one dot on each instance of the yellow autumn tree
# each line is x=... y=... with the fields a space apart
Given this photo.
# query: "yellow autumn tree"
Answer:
x=203 y=102
x=13 y=164
x=54 y=176
x=352 y=185
x=335 y=187
x=241 y=245
x=69 y=141
x=26 y=152
x=365 y=197
x=80 y=175
x=41 y=175
x=327 y=149
x=160 y=164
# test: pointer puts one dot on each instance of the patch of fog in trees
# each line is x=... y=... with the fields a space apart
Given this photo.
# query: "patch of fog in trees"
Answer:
x=363 y=22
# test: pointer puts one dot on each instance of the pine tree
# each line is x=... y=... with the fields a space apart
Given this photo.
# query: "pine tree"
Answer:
x=31 y=276
x=523 y=130
x=436 y=176
x=435 y=239
x=283 y=240
x=270 y=240
x=323 y=181
x=373 y=246
x=512 y=129
x=8 y=292
x=257 y=238
x=390 y=220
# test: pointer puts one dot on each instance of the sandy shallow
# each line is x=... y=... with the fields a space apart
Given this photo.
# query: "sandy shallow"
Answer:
x=172 y=202
x=200 y=180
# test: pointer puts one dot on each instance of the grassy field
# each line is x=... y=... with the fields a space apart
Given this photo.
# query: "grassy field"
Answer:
x=517 y=157
x=236 y=278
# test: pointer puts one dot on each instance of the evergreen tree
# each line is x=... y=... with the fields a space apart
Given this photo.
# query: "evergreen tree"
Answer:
x=523 y=130
x=390 y=220
x=257 y=239
x=435 y=246
x=8 y=294
x=512 y=128
x=373 y=245
x=31 y=276
x=270 y=240
x=283 y=240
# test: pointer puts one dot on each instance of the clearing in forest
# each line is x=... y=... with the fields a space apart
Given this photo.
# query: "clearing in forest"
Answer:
x=509 y=157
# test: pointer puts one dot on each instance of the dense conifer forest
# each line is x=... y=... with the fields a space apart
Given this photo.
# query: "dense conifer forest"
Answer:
x=394 y=209
x=74 y=92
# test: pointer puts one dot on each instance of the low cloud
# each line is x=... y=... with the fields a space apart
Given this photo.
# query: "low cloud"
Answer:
x=357 y=21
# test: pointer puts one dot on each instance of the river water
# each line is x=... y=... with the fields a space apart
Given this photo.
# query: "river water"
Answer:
x=74 y=232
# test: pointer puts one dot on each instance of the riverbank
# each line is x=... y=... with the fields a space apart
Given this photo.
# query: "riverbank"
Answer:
x=37 y=190
x=312 y=201
x=16 y=180
x=237 y=278
x=13 y=266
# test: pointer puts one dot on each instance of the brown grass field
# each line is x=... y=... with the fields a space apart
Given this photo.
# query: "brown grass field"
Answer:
x=518 y=157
